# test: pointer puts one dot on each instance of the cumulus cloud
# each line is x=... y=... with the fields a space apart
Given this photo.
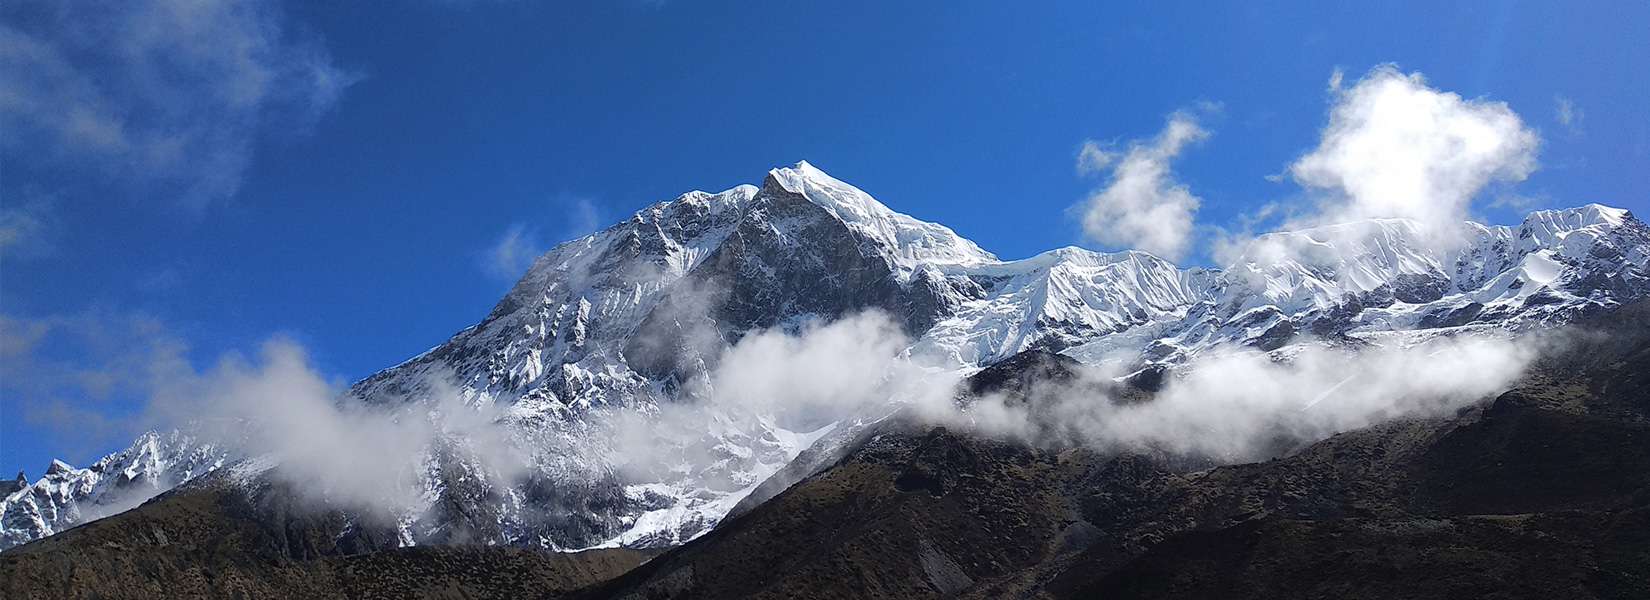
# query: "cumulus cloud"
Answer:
x=168 y=93
x=1396 y=147
x=1141 y=205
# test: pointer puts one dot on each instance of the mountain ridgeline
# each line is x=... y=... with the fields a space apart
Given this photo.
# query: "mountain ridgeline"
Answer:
x=633 y=317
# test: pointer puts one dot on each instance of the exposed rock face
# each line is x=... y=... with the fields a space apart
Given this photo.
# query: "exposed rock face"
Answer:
x=628 y=317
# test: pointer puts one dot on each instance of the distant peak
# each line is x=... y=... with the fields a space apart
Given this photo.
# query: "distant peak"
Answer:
x=57 y=467
x=796 y=177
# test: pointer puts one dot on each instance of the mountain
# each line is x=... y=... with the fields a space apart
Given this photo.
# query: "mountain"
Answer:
x=65 y=496
x=1542 y=491
x=1371 y=278
x=631 y=318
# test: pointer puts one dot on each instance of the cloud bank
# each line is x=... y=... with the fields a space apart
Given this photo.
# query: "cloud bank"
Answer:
x=1229 y=405
x=1245 y=405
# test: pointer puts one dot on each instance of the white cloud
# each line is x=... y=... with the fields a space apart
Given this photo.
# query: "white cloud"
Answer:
x=1245 y=405
x=1395 y=147
x=1336 y=77
x=808 y=379
x=1142 y=206
x=170 y=94
x=335 y=448
x=97 y=379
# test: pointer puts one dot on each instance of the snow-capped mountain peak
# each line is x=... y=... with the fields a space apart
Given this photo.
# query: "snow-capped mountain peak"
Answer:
x=914 y=241
x=66 y=496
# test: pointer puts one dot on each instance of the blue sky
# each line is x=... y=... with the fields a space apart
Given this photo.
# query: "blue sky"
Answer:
x=184 y=185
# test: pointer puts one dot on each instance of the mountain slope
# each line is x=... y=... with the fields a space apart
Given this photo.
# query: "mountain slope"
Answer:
x=1543 y=491
x=631 y=318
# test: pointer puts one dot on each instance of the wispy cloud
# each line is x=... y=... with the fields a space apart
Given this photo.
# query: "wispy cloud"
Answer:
x=1568 y=115
x=583 y=217
x=1093 y=157
x=72 y=374
x=1142 y=206
x=513 y=253
x=515 y=250
x=170 y=94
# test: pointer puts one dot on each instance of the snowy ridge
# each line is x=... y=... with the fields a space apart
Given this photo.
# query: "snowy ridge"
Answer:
x=1056 y=299
x=1355 y=279
x=66 y=496
x=915 y=244
x=626 y=318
